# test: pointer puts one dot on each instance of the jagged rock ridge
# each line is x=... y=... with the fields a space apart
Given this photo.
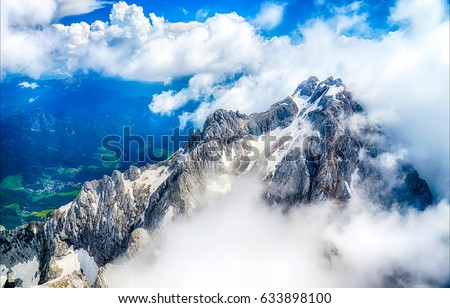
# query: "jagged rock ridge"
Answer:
x=312 y=146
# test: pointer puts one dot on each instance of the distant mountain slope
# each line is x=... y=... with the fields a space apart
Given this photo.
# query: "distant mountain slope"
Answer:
x=51 y=137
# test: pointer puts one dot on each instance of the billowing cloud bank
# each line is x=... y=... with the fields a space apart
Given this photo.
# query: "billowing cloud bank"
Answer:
x=401 y=77
x=237 y=241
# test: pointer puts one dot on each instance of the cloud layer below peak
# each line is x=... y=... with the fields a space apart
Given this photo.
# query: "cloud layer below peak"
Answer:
x=249 y=244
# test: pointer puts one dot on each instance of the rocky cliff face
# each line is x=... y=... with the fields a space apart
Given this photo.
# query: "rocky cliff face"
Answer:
x=314 y=145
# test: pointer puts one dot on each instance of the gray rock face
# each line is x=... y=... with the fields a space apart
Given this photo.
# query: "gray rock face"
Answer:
x=73 y=280
x=104 y=214
x=314 y=145
x=228 y=126
x=100 y=280
x=323 y=167
x=23 y=244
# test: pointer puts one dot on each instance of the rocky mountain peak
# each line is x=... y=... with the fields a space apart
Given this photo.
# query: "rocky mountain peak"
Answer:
x=314 y=145
x=307 y=87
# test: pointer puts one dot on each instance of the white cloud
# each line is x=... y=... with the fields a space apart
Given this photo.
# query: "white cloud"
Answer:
x=248 y=244
x=28 y=85
x=29 y=44
x=270 y=15
x=350 y=17
x=199 y=89
x=77 y=7
x=201 y=14
x=423 y=15
x=184 y=10
x=32 y=99
x=21 y=13
x=136 y=47
x=24 y=12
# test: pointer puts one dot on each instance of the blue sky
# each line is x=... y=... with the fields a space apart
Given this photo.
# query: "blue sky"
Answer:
x=296 y=12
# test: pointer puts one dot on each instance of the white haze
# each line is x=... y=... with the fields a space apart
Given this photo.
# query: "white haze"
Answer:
x=238 y=241
x=270 y=15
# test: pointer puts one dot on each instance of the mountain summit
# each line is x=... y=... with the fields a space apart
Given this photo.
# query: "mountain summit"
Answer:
x=314 y=145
